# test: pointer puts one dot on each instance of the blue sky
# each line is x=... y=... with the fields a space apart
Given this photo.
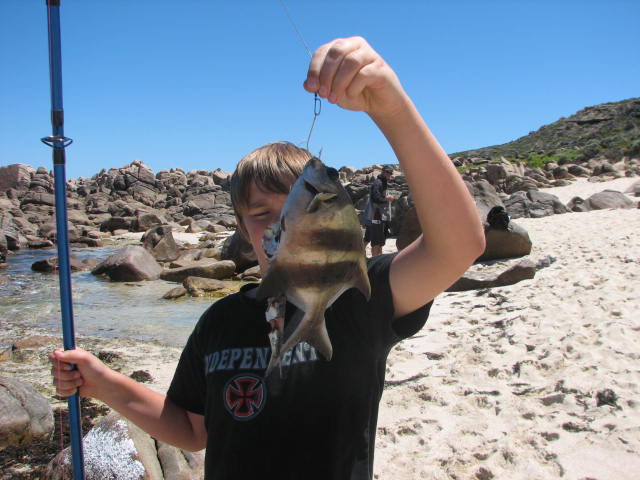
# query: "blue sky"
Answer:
x=197 y=84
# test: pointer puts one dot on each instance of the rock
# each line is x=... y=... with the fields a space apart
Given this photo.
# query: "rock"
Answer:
x=576 y=204
x=117 y=223
x=25 y=415
x=34 y=341
x=509 y=243
x=179 y=464
x=141 y=376
x=6 y=350
x=146 y=220
x=17 y=176
x=38 y=198
x=237 y=249
x=9 y=235
x=48 y=265
x=208 y=268
x=253 y=273
x=160 y=242
x=485 y=197
x=608 y=199
x=131 y=264
x=523 y=270
x=116 y=449
x=551 y=399
x=175 y=292
x=197 y=286
x=516 y=183
x=634 y=189
x=410 y=229
x=578 y=170
x=533 y=204
x=607 y=397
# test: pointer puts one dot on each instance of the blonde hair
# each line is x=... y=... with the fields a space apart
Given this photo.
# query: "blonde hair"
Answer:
x=273 y=168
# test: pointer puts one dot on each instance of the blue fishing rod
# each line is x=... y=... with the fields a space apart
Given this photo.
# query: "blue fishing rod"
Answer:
x=59 y=142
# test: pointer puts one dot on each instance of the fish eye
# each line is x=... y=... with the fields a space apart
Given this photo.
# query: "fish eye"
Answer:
x=332 y=173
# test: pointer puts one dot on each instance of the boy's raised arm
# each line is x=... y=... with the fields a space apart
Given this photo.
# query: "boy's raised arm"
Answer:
x=350 y=73
x=150 y=410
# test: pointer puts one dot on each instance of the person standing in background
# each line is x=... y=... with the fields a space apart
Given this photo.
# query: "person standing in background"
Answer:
x=377 y=212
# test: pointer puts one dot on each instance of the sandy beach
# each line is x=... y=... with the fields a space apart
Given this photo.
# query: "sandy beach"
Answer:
x=503 y=383
x=538 y=380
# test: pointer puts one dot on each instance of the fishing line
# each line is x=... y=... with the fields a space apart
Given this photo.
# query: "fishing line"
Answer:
x=317 y=101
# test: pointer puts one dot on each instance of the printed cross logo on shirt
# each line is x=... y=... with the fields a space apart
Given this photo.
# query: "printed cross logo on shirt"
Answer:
x=244 y=396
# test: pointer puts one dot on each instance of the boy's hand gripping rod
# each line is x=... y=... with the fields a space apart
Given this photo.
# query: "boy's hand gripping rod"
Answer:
x=59 y=142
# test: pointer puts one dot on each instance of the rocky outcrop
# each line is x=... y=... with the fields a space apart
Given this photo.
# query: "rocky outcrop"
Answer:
x=598 y=142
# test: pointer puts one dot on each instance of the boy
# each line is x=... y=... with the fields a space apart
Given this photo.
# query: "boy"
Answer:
x=319 y=419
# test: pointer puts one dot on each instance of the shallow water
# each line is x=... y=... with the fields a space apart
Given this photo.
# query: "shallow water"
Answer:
x=101 y=308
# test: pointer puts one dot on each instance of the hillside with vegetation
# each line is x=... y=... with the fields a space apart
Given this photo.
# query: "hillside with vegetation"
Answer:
x=608 y=131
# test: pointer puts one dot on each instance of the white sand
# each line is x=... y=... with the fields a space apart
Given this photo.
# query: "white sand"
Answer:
x=514 y=392
x=181 y=237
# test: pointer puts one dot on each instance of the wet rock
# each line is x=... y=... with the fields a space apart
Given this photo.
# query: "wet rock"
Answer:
x=198 y=286
x=131 y=264
x=175 y=292
x=250 y=274
x=208 y=268
x=49 y=265
x=34 y=341
x=25 y=415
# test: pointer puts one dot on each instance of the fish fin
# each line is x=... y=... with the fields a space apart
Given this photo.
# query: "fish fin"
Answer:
x=313 y=331
x=319 y=339
x=273 y=284
x=361 y=280
x=315 y=203
x=273 y=361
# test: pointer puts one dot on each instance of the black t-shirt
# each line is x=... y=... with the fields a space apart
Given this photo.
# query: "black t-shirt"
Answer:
x=311 y=418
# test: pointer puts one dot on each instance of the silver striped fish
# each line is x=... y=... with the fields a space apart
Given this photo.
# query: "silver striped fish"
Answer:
x=319 y=256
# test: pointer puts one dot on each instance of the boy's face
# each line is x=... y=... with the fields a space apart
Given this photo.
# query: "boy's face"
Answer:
x=264 y=210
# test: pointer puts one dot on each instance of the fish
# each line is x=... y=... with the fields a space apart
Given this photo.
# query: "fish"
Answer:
x=316 y=253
